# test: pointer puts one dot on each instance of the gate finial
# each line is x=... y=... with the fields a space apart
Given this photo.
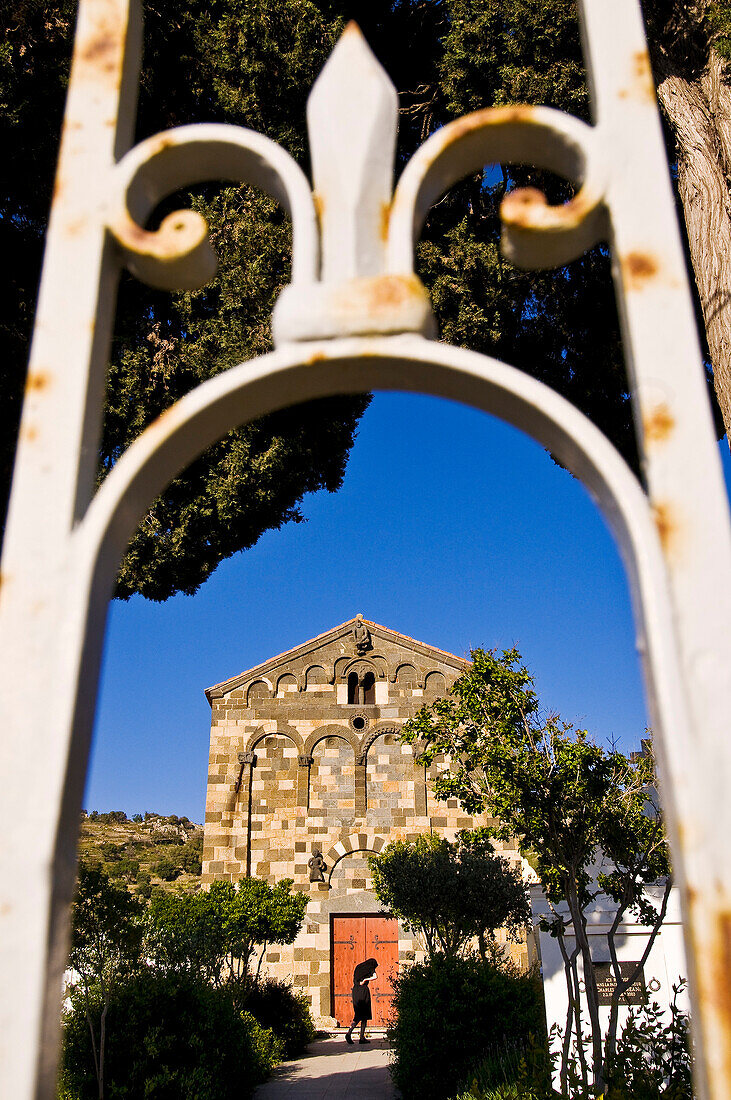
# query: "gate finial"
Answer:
x=352 y=118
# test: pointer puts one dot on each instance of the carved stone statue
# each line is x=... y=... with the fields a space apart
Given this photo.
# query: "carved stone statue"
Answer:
x=317 y=866
x=361 y=635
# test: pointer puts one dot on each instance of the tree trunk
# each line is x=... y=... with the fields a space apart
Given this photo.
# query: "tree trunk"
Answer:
x=699 y=113
x=578 y=919
x=102 y=1044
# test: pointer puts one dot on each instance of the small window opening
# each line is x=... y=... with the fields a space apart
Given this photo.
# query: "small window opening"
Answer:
x=369 y=688
x=359 y=722
x=353 y=688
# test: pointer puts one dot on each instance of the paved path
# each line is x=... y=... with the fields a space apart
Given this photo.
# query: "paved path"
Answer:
x=332 y=1070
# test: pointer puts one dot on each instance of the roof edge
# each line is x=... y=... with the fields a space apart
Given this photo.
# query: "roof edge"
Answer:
x=216 y=690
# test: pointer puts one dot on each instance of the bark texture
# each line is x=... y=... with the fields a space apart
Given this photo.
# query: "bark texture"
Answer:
x=695 y=97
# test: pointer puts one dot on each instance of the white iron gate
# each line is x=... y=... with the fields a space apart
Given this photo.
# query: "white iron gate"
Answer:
x=355 y=317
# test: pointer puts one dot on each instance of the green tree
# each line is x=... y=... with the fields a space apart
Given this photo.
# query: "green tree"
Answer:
x=588 y=815
x=250 y=64
x=106 y=943
x=217 y=933
x=451 y=892
x=253 y=62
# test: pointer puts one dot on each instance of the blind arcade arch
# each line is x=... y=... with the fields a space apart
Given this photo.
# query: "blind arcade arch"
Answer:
x=355 y=317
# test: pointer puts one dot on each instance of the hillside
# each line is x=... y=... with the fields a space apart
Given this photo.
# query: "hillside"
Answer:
x=144 y=853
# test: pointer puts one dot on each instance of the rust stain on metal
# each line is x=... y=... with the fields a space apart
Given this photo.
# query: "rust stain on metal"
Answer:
x=163 y=141
x=319 y=204
x=658 y=423
x=519 y=206
x=385 y=220
x=162 y=417
x=639 y=269
x=527 y=207
x=102 y=51
x=30 y=433
x=317 y=357
x=642 y=85
x=668 y=527
x=721 y=973
x=37 y=381
x=391 y=292
x=74 y=227
x=715 y=988
x=479 y=120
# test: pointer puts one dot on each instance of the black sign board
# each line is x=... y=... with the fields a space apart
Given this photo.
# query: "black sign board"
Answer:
x=606 y=984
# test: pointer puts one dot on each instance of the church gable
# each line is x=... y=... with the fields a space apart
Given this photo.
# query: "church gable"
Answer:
x=325 y=664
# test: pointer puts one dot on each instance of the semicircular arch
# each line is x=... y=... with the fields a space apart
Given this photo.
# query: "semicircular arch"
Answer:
x=323 y=732
x=371 y=736
x=356 y=842
x=357 y=663
x=261 y=735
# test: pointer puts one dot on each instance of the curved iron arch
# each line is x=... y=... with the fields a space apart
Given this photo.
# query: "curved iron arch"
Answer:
x=298 y=373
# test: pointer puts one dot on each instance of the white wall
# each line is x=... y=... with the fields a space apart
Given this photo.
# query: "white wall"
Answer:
x=664 y=968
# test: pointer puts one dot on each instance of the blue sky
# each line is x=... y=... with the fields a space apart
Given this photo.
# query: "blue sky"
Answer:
x=451 y=527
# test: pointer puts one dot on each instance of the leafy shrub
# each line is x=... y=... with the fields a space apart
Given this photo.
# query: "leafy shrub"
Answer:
x=277 y=1006
x=114 y=817
x=653 y=1057
x=652 y=1062
x=265 y=1044
x=166 y=869
x=126 y=868
x=167 y=835
x=514 y=1091
x=520 y=1072
x=169 y=1037
x=144 y=888
x=191 y=855
x=448 y=1013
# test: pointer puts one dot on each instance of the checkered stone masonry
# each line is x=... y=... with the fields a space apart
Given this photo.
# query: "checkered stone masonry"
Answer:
x=324 y=774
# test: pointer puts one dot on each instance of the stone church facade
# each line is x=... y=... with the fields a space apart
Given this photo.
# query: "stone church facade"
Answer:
x=306 y=766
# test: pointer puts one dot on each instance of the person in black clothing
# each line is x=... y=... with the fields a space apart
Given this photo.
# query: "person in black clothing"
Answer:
x=363 y=975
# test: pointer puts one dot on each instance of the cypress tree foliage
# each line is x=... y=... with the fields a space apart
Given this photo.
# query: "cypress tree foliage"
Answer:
x=253 y=63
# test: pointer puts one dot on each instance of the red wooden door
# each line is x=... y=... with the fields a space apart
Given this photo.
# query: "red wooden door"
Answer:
x=355 y=939
x=382 y=944
x=348 y=945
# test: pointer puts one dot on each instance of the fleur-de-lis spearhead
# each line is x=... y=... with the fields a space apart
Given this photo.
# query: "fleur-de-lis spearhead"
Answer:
x=352 y=118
